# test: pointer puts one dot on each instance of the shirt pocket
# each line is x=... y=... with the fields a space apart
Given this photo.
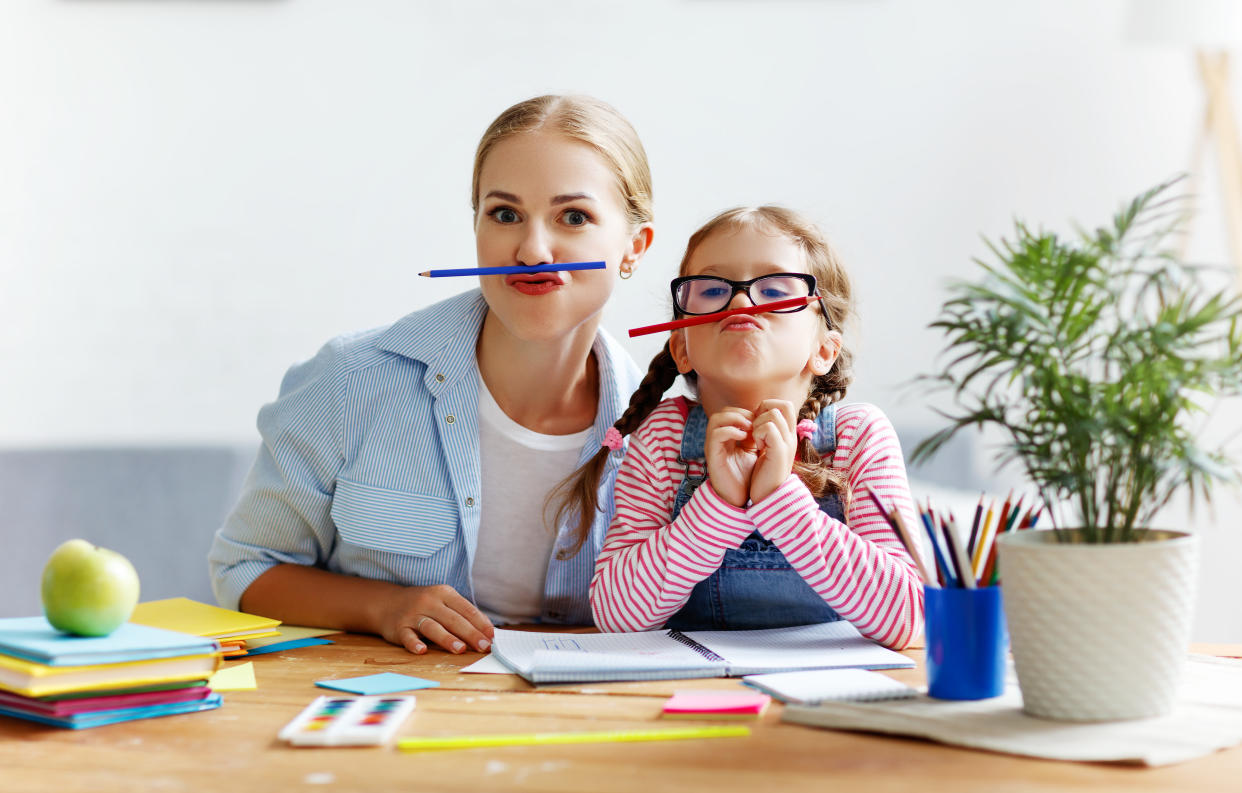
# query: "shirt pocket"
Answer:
x=393 y=520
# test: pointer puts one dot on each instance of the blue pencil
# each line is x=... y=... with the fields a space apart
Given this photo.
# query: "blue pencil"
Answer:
x=943 y=565
x=521 y=268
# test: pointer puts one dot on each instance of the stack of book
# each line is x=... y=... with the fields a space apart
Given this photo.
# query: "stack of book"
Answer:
x=136 y=672
x=232 y=629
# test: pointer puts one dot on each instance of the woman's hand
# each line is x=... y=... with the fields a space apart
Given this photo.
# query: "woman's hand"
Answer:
x=437 y=614
x=730 y=453
x=776 y=444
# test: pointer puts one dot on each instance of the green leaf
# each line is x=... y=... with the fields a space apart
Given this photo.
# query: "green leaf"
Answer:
x=1086 y=352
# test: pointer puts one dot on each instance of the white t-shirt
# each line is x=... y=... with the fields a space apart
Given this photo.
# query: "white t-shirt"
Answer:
x=519 y=467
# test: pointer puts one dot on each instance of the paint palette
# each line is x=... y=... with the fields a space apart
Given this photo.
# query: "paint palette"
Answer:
x=348 y=721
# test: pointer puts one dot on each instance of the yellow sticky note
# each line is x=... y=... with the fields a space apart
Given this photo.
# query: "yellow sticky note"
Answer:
x=234 y=678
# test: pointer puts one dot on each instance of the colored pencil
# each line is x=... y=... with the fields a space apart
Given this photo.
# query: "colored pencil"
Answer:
x=884 y=514
x=907 y=539
x=1003 y=519
x=974 y=527
x=985 y=534
x=1013 y=519
x=916 y=549
x=942 y=566
x=1026 y=519
x=953 y=574
x=515 y=270
x=965 y=576
x=704 y=319
x=991 y=572
x=1032 y=519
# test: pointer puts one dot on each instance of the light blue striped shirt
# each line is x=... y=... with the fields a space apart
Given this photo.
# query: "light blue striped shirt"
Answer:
x=370 y=464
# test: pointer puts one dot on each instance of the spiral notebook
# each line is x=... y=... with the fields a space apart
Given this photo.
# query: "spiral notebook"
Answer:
x=669 y=655
x=829 y=685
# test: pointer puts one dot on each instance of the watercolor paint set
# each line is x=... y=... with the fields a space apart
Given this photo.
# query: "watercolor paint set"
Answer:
x=348 y=721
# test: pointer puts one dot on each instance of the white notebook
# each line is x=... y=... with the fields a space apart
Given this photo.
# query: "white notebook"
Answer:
x=668 y=655
x=814 y=686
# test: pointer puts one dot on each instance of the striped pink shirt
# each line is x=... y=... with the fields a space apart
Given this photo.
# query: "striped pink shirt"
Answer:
x=648 y=565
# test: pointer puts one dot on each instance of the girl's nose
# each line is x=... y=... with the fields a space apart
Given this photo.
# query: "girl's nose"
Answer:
x=740 y=299
x=535 y=247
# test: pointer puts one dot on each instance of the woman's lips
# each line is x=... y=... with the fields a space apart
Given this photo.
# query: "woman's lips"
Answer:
x=535 y=283
x=535 y=287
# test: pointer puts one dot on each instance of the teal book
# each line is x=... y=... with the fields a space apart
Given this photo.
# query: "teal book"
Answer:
x=33 y=639
x=98 y=718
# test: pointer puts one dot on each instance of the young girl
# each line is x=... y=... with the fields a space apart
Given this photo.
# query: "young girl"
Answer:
x=399 y=489
x=712 y=530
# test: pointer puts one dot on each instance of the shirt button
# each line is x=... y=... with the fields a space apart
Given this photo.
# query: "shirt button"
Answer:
x=439 y=378
x=449 y=419
x=470 y=502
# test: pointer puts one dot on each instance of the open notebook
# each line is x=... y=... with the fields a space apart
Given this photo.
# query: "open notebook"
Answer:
x=666 y=655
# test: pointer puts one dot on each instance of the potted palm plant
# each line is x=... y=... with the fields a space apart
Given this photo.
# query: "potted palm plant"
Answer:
x=1092 y=355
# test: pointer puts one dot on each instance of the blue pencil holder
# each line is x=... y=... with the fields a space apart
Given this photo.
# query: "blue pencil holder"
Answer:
x=966 y=642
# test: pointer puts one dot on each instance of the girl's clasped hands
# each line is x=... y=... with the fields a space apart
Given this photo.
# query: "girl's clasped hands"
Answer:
x=751 y=453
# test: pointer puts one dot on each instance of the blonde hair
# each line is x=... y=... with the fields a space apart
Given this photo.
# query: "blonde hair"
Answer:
x=586 y=120
x=578 y=494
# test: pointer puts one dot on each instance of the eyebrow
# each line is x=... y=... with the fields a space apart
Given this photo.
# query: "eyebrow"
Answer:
x=564 y=198
x=567 y=198
x=714 y=270
x=503 y=196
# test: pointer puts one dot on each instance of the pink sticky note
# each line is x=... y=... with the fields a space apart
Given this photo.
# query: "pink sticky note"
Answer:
x=716 y=703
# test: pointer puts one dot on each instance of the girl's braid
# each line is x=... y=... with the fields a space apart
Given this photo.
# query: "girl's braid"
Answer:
x=819 y=478
x=577 y=497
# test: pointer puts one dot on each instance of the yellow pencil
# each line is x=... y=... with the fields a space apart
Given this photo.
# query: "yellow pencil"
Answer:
x=421 y=744
x=983 y=542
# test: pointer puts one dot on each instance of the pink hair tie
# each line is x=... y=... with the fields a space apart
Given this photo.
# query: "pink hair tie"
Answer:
x=612 y=439
x=806 y=428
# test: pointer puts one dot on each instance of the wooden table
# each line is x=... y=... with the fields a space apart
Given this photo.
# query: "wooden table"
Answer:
x=234 y=748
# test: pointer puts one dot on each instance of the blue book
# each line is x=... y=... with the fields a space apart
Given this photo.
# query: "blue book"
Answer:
x=33 y=639
x=99 y=718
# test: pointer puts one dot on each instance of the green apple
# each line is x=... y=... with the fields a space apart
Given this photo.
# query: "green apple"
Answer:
x=88 y=590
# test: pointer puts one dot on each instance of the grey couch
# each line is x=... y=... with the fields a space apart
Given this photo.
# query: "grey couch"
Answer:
x=160 y=507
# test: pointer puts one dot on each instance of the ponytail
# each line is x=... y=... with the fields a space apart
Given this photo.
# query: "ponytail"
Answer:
x=578 y=494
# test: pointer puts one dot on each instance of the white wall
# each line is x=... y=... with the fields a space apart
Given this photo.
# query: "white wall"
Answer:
x=195 y=194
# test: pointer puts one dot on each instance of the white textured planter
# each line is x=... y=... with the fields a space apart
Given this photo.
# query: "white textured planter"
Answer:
x=1098 y=632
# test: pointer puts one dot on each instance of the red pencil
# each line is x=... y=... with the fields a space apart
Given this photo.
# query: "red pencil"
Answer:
x=1003 y=520
x=704 y=319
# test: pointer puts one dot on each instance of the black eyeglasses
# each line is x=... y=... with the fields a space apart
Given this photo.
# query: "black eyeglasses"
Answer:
x=705 y=294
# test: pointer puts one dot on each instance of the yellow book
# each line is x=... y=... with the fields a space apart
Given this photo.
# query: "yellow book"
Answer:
x=200 y=619
x=38 y=680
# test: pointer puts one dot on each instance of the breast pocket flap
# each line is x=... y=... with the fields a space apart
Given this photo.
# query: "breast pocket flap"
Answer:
x=393 y=520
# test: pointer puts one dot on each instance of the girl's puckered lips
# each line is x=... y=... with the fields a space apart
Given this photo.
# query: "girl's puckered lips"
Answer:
x=741 y=322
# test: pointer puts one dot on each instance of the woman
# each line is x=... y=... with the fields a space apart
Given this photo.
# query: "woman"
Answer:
x=401 y=484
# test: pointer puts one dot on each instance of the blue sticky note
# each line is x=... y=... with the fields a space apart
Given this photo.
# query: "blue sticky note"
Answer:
x=382 y=683
x=292 y=644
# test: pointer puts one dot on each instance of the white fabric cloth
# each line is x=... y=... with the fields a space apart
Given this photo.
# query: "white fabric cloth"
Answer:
x=1207 y=717
x=519 y=466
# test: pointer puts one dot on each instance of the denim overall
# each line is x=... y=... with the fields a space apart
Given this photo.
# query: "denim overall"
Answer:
x=755 y=586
